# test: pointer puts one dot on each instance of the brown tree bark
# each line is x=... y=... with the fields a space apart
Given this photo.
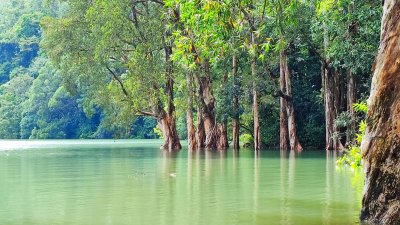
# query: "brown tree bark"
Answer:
x=332 y=105
x=222 y=136
x=381 y=143
x=351 y=100
x=191 y=131
x=200 y=132
x=235 y=122
x=168 y=127
x=206 y=107
x=166 y=119
x=223 y=143
x=256 y=117
x=283 y=122
x=291 y=122
x=337 y=143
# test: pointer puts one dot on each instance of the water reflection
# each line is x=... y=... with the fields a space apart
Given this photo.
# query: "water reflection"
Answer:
x=143 y=185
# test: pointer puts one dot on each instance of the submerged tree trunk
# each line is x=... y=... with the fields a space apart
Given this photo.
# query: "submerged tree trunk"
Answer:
x=222 y=136
x=166 y=119
x=381 y=143
x=206 y=107
x=200 y=132
x=235 y=122
x=291 y=122
x=168 y=127
x=256 y=117
x=283 y=122
x=351 y=100
x=223 y=143
x=337 y=143
x=191 y=132
x=332 y=105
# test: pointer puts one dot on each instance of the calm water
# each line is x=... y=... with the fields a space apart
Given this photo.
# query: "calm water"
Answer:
x=135 y=183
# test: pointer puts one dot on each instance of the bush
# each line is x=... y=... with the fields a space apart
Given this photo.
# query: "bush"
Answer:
x=246 y=139
x=352 y=156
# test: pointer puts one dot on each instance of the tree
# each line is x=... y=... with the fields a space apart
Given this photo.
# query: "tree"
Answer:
x=128 y=54
x=380 y=145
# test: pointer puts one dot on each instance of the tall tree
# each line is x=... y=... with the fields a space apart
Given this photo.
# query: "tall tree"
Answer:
x=381 y=145
x=286 y=22
x=115 y=46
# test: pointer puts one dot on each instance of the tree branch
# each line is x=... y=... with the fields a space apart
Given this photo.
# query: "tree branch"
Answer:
x=279 y=93
x=144 y=113
x=117 y=78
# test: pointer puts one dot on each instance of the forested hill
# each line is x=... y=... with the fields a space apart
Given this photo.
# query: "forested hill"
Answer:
x=33 y=102
x=271 y=73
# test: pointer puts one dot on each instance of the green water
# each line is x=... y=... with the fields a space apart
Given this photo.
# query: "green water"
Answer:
x=133 y=182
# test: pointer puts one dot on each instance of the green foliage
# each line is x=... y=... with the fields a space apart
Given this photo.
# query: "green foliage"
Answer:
x=352 y=156
x=361 y=107
x=92 y=69
x=246 y=140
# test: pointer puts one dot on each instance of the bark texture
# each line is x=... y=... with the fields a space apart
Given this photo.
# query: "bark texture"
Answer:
x=191 y=131
x=332 y=105
x=222 y=136
x=381 y=143
x=166 y=119
x=223 y=143
x=206 y=111
x=168 y=128
x=291 y=122
x=200 y=132
x=235 y=122
x=256 y=117
x=283 y=144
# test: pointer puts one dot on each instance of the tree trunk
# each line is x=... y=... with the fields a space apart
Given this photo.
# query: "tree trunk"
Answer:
x=206 y=106
x=222 y=136
x=351 y=100
x=283 y=122
x=381 y=143
x=166 y=120
x=291 y=122
x=223 y=143
x=200 y=132
x=191 y=132
x=332 y=105
x=168 y=127
x=337 y=143
x=235 y=122
x=256 y=118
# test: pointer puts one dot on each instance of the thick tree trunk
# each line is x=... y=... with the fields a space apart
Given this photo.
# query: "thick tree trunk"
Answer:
x=256 y=117
x=235 y=122
x=222 y=136
x=283 y=123
x=332 y=105
x=191 y=131
x=337 y=143
x=291 y=122
x=206 y=106
x=381 y=143
x=330 y=86
x=168 y=127
x=166 y=120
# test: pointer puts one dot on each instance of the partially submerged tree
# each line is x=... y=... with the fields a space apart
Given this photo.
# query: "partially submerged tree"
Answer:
x=126 y=50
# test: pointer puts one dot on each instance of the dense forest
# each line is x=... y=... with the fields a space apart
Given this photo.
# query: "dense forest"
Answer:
x=276 y=73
